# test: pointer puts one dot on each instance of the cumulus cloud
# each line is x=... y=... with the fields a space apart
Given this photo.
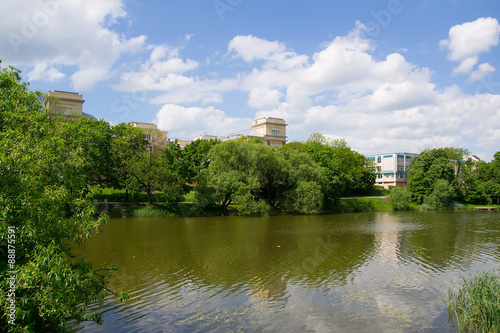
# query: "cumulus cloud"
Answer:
x=274 y=54
x=47 y=36
x=467 y=41
x=189 y=122
x=342 y=91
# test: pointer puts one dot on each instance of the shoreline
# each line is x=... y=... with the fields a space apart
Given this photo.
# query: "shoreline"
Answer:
x=190 y=209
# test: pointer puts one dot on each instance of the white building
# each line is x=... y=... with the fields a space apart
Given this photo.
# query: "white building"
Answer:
x=392 y=169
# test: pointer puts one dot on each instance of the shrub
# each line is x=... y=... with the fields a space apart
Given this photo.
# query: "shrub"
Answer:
x=400 y=198
x=441 y=196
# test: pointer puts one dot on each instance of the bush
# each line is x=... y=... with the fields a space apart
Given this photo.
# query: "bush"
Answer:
x=400 y=199
x=441 y=196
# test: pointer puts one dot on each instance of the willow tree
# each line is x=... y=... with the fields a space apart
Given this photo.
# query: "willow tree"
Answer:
x=45 y=208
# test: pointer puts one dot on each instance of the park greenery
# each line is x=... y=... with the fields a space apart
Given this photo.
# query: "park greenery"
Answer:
x=440 y=176
x=52 y=167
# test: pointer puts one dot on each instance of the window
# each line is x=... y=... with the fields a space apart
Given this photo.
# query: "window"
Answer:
x=379 y=159
x=148 y=137
x=276 y=132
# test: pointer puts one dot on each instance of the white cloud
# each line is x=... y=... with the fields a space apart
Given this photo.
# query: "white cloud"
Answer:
x=64 y=34
x=266 y=99
x=43 y=71
x=342 y=92
x=467 y=41
x=275 y=54
x=189 y=122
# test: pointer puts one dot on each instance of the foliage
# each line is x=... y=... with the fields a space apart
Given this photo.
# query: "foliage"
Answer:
x=489 y=177
x=400 y=199
x=441 y=195
x=307 y=197
x=346 y=170
x=44 y=199
x=431 y=166
x=147 y=166
x=126 y=141
x=476 y=304
x=194 y=158
x=259 y=177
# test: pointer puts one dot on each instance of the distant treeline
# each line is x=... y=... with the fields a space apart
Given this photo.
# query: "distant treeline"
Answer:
x=299 y=177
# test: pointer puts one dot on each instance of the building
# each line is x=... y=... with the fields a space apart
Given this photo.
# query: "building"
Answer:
x=151 y=133
x=392 y=169
x=69 y=104
x=271 y=130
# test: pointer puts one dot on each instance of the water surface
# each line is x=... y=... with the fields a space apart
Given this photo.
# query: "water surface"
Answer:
x=368 y=272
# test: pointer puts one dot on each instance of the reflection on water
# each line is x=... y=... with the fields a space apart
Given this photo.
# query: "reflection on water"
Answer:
x=380 y=272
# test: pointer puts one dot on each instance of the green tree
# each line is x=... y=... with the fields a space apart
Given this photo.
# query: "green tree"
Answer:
x=471 y=184
x=194 y=158
x=489 y=178
x=126 y=141
x=400 y=199
x=441 y=195
x=91 y=142
x=259 y=177
x=431 y=166
x=307 y=184
x=45 y=204
x=151 y=171
x=347 y=171
x=229 y=176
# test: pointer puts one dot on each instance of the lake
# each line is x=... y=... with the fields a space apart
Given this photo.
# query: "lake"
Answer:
x=366 y=272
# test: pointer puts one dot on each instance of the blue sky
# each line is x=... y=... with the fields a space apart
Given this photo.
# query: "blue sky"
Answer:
x=388 y=76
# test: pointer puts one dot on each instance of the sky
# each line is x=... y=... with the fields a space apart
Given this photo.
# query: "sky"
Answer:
x=385 y=75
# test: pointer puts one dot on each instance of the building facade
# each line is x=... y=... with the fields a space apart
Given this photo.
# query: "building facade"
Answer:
x=392 y=169
x=67 y=104
x=271 y=130
x=151 y=133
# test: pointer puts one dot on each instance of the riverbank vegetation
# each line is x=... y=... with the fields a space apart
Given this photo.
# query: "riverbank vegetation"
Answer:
x=475 y=304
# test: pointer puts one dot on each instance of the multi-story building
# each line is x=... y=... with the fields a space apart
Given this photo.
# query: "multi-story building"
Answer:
x=151 y=133
x=68 y=104
x=392 y=169
x=271 y=130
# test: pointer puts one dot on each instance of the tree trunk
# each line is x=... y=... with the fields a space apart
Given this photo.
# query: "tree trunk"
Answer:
x=150 y=197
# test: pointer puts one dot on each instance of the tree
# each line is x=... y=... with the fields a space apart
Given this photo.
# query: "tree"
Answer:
x=307 y=184
x=347 y=171
x=441 y=195
x=489 y=177
x=194 y=158
x=431 y=166
x=46 y=205
x=91 y=141
x=126 y=141
x=150 y=170
x=259 y=177
x=400 y=199
x=229 y=177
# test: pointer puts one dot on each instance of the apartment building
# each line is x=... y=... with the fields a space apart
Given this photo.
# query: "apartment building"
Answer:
x=392 y=169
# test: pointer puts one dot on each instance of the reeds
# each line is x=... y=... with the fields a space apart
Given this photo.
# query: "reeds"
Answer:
x=476 y=304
